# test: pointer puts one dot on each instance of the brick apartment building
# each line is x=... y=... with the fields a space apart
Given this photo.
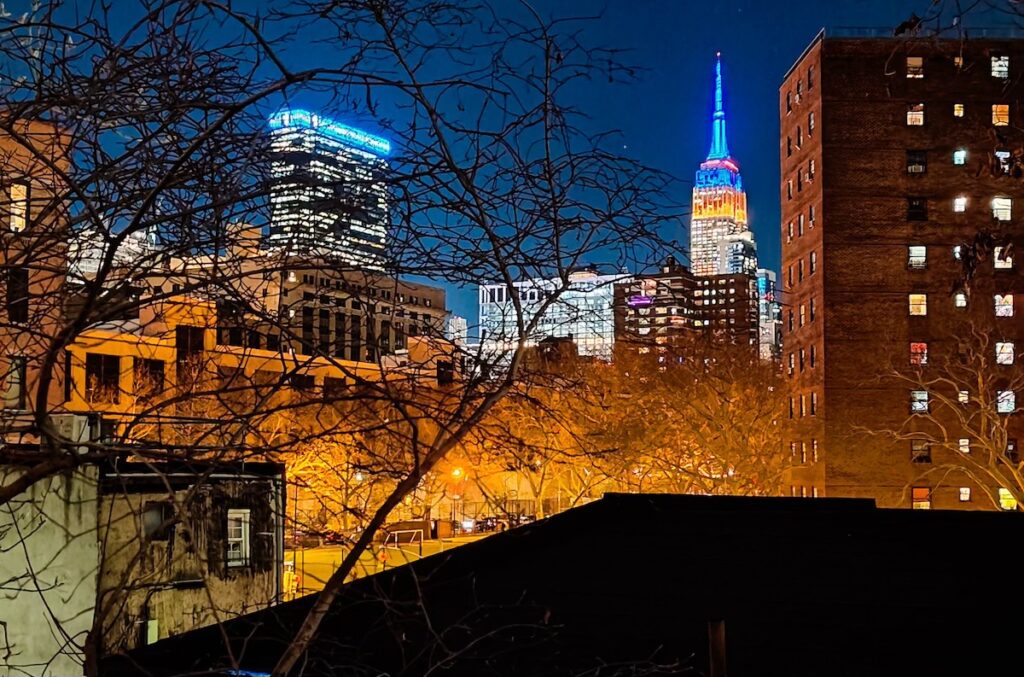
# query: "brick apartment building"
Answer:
x=900 y=163
x=669 y=305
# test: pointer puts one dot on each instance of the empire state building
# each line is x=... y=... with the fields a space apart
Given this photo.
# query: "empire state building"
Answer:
x=720 y=240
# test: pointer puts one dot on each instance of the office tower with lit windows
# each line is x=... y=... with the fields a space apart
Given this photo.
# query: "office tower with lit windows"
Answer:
x=328 y=193
x=580 y=308
x=719 y=206
x=901 y=208
x=769 y=315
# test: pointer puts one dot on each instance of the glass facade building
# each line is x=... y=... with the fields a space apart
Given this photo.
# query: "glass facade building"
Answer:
x=582 y=311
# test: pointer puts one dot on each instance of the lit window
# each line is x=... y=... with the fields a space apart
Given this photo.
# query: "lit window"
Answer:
x=959 y=300
x=1004 y=352
x=789 y=189
x=810 y=215
x=814 y=403
x=1002 y=208
x=1003 y=156
x=811 y=170
x=915 y=114
x=810 y=124
x=960 y=156
x=1000 y=67
x=238 y=537
x=917 y=162
x=803 y=314
x=958 y=251
x=965 y=494
x=1004 y=305
x=15 y=206
x=1000 y=114
x=1006 y=401
x=958 y=61
x=789 y=102
x=1002 y=259
x=920 y=452
x=918 y=401
x=964 y=445
x=917 y=256
x=812 y=261
x=919 y=354
x=958 y=110
x=1006 y=500
x=915 y=67
x=921 y=498
x=960 y=204
x=918 y=304
x=963 y=397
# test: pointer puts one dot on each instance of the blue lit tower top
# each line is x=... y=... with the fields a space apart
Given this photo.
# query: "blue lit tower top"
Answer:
x=719 y=207
x=719 y=144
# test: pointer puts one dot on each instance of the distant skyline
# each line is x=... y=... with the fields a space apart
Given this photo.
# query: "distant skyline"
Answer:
x=665 y=117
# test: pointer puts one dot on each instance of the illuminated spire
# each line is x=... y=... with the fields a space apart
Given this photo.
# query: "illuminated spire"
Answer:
x=719 y=146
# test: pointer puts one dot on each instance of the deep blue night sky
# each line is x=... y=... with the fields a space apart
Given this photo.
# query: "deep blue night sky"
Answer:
x=665 y=118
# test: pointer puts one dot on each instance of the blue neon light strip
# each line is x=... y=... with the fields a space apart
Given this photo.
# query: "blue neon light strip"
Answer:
x=336 y=130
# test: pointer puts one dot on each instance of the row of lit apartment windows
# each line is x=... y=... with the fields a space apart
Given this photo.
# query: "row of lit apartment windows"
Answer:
x=921 y=498
x=999 y=66
x=917 y=160
x=800 y=174
x=918 y=303
x=800 y=89
x=803 y=492
x=803 y=357
x=800 y=135
x=803 y=405
x=812 y=268
x=921 y=450
x=917 y=257
x=801 y=222
x=802 y=447
x=1000 y=114
x=806 y=314
x=1000 y=205
x=920 y=401
x=1005 y=353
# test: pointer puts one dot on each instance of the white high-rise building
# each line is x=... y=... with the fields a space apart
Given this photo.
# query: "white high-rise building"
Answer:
x=583 y=311
x=329 y=191
x=737 y=253
x=456 y=329
x=769 y=315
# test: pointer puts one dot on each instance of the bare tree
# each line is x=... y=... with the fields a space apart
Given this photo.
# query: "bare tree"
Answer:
x=136 y=169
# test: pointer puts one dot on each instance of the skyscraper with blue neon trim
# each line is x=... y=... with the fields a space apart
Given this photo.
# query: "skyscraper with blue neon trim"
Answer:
x=329 y=191
x=720 y=240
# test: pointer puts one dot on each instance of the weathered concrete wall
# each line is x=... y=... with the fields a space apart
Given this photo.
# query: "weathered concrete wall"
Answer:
x=49 y=559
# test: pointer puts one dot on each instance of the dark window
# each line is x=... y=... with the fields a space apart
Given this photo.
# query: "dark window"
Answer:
x=149 y=375
x=920 y=451
x=334 y=388
x=445 y=372
x=157 y=520
x=188 y=341
x=340 y=334
x=307 y=331
x=302 y=381
x=917 y=209
x=917 y=162
x=17 y=295
x=273 y=342
x=14 y=383
x=69 y=386
x=102 y=377
x=324 y=337
x=355 y=338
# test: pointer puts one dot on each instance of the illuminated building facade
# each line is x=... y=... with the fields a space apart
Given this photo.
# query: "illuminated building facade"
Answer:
x=719 y=207
x=769 y=315
x=582 y=311
x=329 y=189
x=673 y=305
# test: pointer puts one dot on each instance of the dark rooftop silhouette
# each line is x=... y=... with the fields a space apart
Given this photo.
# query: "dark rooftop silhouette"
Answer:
x=633 y=583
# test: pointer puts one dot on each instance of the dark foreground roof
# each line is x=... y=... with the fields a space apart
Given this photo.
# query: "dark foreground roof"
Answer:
x=628 y=585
